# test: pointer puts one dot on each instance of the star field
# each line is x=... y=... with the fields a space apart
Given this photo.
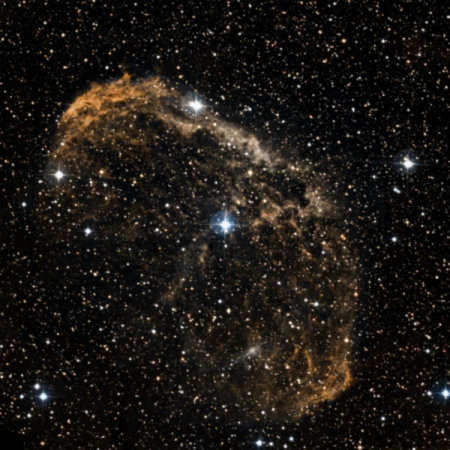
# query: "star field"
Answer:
x=224 y=225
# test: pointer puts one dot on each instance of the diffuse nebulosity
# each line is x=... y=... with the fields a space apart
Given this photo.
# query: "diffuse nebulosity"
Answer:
x=254 y=322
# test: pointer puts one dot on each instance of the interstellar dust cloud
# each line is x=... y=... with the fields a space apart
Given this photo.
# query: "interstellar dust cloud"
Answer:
x=257 y=321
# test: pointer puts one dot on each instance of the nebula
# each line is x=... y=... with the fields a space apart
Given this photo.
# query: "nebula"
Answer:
x=257 y=322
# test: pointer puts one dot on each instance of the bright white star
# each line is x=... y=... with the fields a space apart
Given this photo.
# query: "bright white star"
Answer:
x=408 y=163
x=259 y=443
x=195 y=105
x=87 y=231
x=58 y=175
x=43 y=396
x=446 y=393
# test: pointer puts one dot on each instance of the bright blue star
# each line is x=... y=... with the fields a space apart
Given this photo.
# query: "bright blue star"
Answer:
x=222 y=222
x=226 y=225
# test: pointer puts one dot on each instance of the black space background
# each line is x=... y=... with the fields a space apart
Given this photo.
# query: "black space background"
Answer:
x=358 y=103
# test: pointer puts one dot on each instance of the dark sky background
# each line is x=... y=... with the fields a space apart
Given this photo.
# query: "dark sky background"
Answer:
x=354 y=87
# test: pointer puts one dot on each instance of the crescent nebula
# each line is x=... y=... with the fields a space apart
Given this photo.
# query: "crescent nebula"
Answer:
x=257 y=321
